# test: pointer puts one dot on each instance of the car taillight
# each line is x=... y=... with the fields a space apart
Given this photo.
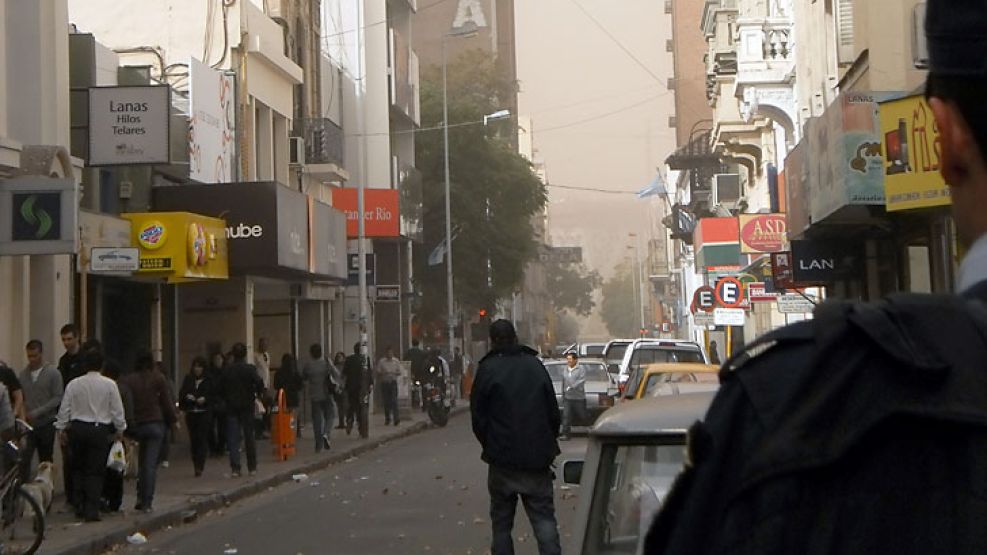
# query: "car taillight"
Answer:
x=620 y=387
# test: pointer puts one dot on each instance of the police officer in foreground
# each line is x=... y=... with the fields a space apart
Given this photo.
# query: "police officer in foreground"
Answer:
x=864 y=431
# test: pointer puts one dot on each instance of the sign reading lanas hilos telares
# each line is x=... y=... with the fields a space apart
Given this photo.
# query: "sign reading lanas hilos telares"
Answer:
x=128 y=125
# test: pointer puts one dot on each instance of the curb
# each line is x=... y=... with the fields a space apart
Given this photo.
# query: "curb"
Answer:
x=202 y=505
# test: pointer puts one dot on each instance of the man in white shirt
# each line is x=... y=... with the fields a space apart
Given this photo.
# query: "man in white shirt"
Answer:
x=388 y=373
x=91 y=413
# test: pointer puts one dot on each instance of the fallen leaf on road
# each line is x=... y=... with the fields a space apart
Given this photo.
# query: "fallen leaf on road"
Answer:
x=385 y=491
x=479 y=520
x=364 y=477
x=465 y=488
x=438 y=477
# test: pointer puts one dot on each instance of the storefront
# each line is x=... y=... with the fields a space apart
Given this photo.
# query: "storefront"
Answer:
x=177 y=251
x=918 y=199
x=287 y=262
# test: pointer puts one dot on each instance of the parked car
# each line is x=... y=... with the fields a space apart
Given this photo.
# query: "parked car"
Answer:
x=601 y=389
x=644 y=352
x=634 y=454
x=671 y=378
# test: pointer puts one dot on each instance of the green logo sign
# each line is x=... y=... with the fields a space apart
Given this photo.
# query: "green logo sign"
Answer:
x=37 y=217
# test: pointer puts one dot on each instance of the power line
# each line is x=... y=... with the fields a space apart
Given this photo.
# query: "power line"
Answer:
x=601 y=116
x=590 y=189
x=618 y=43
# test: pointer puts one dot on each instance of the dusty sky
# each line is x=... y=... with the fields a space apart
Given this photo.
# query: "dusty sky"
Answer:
x=571 y=71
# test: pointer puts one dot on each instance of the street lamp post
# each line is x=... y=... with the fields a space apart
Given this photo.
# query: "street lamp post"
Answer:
x=639 y=279
x=466 y=32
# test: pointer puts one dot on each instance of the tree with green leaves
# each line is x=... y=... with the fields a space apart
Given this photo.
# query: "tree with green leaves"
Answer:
x=494 y=190
x=619 y=310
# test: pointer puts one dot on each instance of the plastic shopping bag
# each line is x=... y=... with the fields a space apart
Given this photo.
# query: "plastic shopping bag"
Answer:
x=117 y=461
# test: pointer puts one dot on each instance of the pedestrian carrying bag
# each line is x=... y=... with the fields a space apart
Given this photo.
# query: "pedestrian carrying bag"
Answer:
x=117 y=461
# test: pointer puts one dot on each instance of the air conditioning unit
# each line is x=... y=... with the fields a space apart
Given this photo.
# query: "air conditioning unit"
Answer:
x=726 y=190
x=296 y=151
x=920 y=47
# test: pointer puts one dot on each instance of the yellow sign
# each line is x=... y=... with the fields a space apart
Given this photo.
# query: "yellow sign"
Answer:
x=911 y=147
x=202 y=255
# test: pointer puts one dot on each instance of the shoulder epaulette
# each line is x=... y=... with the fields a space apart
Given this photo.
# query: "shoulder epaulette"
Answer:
x=800 y=332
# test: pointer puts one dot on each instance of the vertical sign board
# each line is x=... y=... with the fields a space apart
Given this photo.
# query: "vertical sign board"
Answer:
x=212 y=128
x=129 y=125
x=38 y=215
x=911 y=147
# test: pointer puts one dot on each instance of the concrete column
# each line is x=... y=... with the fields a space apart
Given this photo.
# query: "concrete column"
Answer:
x=50 y=289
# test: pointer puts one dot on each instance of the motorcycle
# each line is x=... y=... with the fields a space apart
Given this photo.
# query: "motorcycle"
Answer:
x=437 y=402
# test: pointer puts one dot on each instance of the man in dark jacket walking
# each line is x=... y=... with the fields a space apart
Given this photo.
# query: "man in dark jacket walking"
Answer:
x=359 y=385
x=242 y=388
x=516 y=418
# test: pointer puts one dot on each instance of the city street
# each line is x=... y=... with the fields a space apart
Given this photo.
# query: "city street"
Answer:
x=422 y=494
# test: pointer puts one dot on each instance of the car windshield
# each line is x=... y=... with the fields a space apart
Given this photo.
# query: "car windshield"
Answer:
x=594 y=350
x=555 y=370
x=645 y=356
x=657 y=381
x=630 y=486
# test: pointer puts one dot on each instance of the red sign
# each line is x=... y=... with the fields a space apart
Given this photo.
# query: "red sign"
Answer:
x=704 y=299
x=757 y=293
x=763 y=233
x=781 y=268
x=381 y=215
x=730 y=292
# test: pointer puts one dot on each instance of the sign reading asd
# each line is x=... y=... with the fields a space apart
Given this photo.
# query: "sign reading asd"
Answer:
x=763 y=233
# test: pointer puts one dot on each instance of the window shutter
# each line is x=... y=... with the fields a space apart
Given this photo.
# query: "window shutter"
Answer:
x=844 y=32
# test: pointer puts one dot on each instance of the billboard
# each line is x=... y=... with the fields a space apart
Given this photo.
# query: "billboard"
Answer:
x=212 y=127
x=763 y=233
x=380 y=211
x=845 y=162
x=910 y=142
x=129 y=125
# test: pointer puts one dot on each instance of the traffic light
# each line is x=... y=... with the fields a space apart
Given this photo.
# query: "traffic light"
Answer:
x=482 y=313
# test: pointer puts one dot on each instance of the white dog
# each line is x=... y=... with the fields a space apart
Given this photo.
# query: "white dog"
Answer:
x=42 y=488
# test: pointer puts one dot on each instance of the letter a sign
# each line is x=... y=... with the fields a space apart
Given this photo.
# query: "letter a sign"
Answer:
x=729 y=293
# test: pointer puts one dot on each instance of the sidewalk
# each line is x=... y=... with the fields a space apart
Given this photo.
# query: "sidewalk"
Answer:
x=182 y=497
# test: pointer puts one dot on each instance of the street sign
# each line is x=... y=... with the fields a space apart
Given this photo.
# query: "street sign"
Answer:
x=353 y=264
x=757 y=292
x=704 y=299
x=387 y=293
x=794 y=304
x=704 y=319
x=729 y=292
x=110 y=259
x=729 y=317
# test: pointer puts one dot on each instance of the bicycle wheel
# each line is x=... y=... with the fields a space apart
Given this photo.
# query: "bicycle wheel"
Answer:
x=23 y=524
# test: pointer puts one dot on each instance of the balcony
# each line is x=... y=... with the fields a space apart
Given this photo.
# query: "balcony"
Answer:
x=323 y=148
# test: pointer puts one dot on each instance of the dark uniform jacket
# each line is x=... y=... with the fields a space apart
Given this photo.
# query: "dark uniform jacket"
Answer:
x=515 y=413
x=241 y=387
x=864 y=431
x=357 y=376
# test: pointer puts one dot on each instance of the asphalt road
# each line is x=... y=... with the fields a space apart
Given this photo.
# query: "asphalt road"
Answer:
x=423 y=494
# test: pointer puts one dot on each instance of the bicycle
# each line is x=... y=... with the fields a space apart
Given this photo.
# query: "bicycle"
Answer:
x=22 y=520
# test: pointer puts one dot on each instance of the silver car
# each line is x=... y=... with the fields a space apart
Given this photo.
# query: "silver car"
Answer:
x=634 y=454
x=601 y=388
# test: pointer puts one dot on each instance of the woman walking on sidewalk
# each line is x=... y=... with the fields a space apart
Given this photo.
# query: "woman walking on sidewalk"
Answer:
x=195 y=399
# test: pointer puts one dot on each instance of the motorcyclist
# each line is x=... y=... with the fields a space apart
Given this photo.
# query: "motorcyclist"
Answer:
x=436 y=372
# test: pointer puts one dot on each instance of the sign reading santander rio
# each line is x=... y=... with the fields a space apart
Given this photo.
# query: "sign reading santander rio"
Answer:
x=381 y=214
